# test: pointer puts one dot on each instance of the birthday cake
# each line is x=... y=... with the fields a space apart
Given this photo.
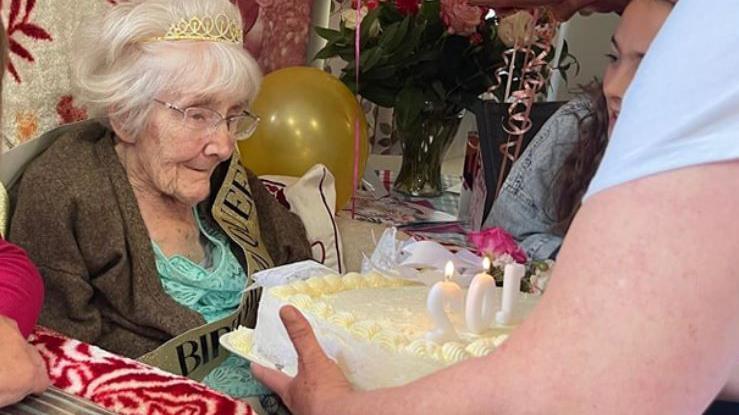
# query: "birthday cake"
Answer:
x=375 y=327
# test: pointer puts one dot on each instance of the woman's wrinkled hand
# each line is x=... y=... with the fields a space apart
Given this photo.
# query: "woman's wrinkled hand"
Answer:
x=320 y=386
x=22 y=370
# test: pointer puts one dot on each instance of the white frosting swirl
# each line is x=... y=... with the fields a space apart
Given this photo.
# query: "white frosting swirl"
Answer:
x=317 y=284
x=343 y=319
x=302 y=287
x=321 y=309
x=481 y=347
x=301 y=301
x=375 y=280
x=424 y=348
x=352 y=281
x=334 y=283
x=366 y=329
x=453 y=352
x=282 y=292
x=500 y=339
x=390 y=339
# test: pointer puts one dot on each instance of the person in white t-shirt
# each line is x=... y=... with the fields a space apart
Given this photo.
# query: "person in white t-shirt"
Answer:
x=642 y=314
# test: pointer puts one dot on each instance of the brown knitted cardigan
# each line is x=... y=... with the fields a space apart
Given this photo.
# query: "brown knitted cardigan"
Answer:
x=76 y=215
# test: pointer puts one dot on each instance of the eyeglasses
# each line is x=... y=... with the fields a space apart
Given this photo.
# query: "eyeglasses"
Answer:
x=242 y=126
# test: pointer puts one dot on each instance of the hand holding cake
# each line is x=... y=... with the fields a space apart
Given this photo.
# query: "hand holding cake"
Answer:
x=315 y=371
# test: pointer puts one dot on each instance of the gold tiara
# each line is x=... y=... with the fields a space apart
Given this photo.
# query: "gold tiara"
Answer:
x=220 y=28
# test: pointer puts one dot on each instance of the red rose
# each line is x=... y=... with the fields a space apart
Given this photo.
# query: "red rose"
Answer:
x=407 y=6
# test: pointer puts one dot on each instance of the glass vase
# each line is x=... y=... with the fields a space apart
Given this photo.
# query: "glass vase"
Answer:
x=424 y=148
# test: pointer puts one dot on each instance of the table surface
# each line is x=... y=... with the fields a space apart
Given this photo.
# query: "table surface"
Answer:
x=425 y=218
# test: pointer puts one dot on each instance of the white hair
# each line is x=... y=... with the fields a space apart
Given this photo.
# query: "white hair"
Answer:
x=118 y=70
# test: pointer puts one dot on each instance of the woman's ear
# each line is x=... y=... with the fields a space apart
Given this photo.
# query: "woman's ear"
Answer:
x=120 y=130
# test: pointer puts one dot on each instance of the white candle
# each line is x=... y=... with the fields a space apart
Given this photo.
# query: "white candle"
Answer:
x=511 y=287
x=480 y=308
x=443 y=294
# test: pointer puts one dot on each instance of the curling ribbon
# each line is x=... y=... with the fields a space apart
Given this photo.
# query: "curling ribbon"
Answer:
x=357 y=133
x=532 y=80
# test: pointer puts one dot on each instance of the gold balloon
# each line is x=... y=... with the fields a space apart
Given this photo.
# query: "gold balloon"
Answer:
x=307 y=117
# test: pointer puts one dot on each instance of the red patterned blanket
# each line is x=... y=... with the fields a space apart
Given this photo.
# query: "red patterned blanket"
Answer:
x=123 y=385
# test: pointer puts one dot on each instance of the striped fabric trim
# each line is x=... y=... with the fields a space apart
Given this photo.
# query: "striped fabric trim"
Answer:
x=331 y=217
x=54 y=402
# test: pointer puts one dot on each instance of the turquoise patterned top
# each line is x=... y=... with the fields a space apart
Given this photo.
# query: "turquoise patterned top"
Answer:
x=213 y=289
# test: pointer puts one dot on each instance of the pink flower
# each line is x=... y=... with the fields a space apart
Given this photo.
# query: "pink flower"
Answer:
x=496 y=241
x=460 y=18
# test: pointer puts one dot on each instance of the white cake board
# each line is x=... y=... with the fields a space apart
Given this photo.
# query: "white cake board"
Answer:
x=246 y=336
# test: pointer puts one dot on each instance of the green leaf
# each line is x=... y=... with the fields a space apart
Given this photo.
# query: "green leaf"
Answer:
x=328 y=34
x=566 y=62
x=439 y=89
x=329 y=51
x=408 y=107
x=564 y=53
x=369 y=59
x=564 y=76
x=430 y=11
x=347 y=54
x=395 y=34
x=384 y=97
x=388 y=13
x=380 y=73
x=367 y=22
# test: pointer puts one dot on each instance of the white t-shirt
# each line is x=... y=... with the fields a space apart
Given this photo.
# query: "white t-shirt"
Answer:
x=682 y=109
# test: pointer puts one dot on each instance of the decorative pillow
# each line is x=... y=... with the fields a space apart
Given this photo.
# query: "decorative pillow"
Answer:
x=313 y=197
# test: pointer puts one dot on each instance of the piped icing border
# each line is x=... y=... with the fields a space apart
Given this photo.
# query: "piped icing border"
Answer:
x=305 y=295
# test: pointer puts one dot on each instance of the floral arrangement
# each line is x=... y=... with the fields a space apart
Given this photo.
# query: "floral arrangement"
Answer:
x=420 y=53
x=499 y=246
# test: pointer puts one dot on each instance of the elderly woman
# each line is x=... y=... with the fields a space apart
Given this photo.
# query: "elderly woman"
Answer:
x=142 y=221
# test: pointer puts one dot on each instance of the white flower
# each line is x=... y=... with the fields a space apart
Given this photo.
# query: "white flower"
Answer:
x=540 y=279
x=517 y=29
x=501 y=261
x=349 y=17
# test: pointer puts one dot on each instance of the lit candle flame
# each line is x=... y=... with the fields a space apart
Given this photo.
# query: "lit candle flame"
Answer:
x=448 y=270
x=486 y=265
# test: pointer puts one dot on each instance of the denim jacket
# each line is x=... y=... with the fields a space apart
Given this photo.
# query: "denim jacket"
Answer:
x=525 y=207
